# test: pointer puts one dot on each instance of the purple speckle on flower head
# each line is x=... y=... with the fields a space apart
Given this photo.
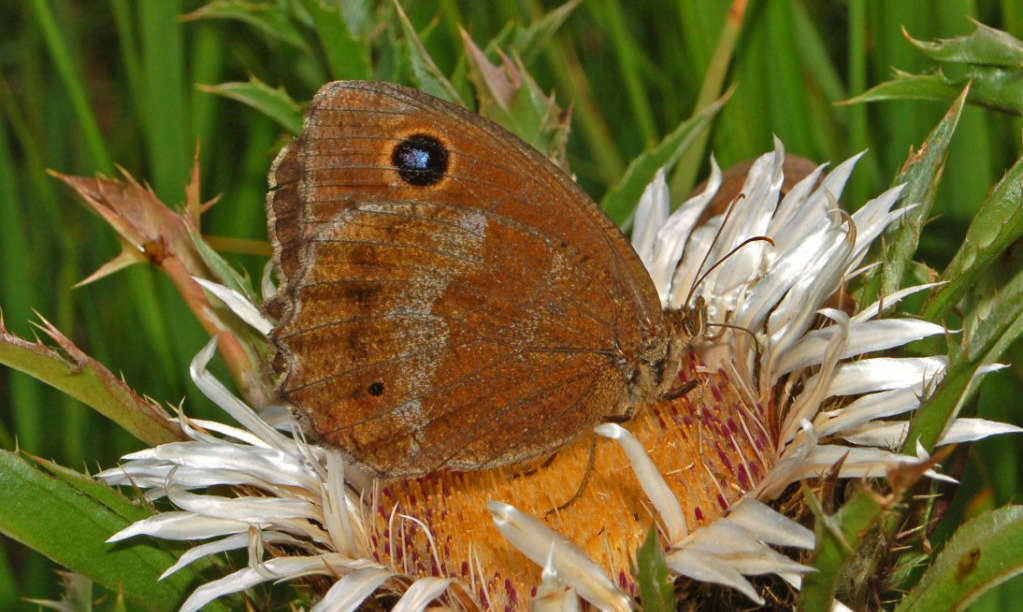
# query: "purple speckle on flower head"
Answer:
x=698 y=513
x=512 y=595
x=716 y=392
x=732 y=425
x=743 y=478
x=725 y=461
x=721 y=500
x=465 y=568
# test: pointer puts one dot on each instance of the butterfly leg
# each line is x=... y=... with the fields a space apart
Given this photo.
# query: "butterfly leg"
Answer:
x=582 y=484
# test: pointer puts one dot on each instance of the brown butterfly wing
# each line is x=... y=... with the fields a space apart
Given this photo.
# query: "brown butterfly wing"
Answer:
x=476 y=321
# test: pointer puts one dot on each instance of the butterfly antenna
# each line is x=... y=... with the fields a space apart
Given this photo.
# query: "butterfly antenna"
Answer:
x=703 y=276
x=717 y=263
x=728 y=214
x=706 y=256
x=737 y=328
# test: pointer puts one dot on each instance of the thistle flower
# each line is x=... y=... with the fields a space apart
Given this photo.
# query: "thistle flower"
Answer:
x=782 y=391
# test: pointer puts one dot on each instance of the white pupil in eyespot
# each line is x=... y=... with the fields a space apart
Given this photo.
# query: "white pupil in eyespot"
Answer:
x=416 y=158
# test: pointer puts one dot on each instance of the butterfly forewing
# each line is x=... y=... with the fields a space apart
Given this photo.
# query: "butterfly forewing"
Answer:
x=448 y=298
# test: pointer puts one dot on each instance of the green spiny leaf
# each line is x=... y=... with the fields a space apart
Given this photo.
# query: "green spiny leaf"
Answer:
x=989 y=59
x=509 y=96
x=993 y=324
x=89 y=381
x=427 y=75
x=77 y=594
x=274 y=103
x=838 y=537
x=58 y=520
x=985 y=45
x=347 y=55
x=906 y=86
x=921 y=173
x=267 y=17
x=983 y=553
x=621 y=199
x=997 y=225
x=527 y=42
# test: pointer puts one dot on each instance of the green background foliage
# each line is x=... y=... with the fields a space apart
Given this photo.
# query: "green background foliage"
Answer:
x=89 y=84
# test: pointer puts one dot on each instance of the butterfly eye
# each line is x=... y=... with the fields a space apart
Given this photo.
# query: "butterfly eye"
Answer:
x=421 y=160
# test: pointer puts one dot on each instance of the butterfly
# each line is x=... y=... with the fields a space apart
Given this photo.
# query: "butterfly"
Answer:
x=448 y=298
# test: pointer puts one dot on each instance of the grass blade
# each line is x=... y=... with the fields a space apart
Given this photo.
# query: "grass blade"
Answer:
x=609 y=15
x=69 y=76
x=684 y=177
x=19 y=298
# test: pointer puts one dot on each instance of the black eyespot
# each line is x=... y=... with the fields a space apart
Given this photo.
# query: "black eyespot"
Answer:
x=420 y=159
x=376 y=389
